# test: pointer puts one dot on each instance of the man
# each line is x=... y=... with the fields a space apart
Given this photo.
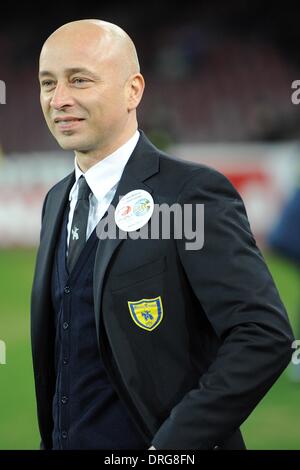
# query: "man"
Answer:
x=141 y=343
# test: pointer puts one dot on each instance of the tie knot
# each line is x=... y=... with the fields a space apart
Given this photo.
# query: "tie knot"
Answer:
x=83 y=188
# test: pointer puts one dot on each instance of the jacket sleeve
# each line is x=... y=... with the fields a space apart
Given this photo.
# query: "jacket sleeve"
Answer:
x=236 y=291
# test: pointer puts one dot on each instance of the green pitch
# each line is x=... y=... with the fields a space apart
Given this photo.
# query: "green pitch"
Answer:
x=275 y=424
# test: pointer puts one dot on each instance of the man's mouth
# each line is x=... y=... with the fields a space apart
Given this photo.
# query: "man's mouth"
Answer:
x=67 y=119
x=67 y=123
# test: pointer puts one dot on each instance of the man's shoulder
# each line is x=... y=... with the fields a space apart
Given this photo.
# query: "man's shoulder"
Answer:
x=185 y=167
x=58 y=187
x=172 y=165
x=186 y=174
x=60 y=184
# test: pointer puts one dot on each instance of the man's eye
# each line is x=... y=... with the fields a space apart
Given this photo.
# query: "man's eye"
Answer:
x=47 y=83
x=80 y=81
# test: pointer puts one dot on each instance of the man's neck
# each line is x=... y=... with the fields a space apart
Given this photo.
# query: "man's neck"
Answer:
x=85 y=160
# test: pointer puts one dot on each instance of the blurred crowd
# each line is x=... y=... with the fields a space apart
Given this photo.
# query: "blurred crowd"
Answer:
x=234 y=90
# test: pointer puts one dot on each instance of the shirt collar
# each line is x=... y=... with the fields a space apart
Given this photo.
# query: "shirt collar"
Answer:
x=104 y=175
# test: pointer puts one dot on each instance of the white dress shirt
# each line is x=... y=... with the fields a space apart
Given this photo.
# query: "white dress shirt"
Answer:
x=103 y=179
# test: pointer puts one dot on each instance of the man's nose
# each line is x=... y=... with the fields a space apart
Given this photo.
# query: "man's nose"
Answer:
x=61 y=97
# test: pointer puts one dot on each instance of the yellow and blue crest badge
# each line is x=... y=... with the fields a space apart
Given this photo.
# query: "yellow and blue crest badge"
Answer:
x=146 y=313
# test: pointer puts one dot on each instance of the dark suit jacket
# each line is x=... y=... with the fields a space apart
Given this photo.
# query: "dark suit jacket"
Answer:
x=224 y=337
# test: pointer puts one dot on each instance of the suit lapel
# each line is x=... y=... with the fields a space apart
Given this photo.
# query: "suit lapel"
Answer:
x=52 y=221
x=143 y=163
x=41 y=292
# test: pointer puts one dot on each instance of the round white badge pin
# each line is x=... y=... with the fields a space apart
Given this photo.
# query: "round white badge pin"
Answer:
x=134 y=210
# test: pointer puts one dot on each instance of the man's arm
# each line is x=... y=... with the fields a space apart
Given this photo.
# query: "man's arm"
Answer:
x=237 y=293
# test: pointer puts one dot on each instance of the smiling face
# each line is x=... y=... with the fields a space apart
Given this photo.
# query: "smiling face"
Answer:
x=90 y=87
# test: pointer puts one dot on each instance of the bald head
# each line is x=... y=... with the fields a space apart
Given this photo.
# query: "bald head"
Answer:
x=91 y=86
x=102 y=39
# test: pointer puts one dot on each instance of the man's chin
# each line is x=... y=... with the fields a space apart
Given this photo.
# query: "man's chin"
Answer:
x=71 y=144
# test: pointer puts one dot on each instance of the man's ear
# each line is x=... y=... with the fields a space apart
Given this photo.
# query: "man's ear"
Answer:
x=135 y=89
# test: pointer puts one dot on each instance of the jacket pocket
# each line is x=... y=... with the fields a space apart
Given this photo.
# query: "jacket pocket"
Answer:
x=136 y=275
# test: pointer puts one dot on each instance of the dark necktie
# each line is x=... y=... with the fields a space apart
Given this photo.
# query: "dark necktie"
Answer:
x=79 y=223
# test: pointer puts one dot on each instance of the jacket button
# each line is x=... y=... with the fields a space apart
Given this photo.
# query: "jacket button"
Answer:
x=64 y=434
x=65 y=325
x=67 y=289
x=65 y=361
x=64 y=399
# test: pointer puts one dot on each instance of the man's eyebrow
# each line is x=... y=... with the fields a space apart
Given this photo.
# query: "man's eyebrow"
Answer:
x=68 y=71
x=44 y=73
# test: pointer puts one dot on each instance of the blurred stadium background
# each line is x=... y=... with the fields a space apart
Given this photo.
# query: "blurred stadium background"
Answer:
x=218 y=91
